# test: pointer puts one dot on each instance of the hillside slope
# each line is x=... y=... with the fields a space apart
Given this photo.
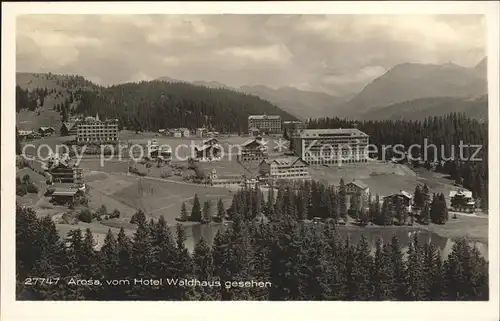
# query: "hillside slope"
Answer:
x=419 y=109
x=59 y=88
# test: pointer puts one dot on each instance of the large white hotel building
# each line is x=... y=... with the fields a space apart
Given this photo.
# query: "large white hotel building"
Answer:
x=93 y=130
x=265 y=123
x=331 y=146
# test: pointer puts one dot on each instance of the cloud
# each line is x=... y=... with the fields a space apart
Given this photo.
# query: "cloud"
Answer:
x=337 y=54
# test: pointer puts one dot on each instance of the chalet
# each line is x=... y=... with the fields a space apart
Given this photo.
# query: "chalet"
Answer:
x=69 y=128
x=28 y=134
x=63 y=170
x=162 y=132
x=176 y=133
x=462 y=200
x=356 y=186
x=405 y=197
x=46 y=131
x=160 y=152
x=289 y=168
x=208 y=151
x=253 y=150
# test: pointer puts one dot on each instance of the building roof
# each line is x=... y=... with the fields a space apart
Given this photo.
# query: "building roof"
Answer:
x=264 y=117
x=205 y=147
x=69 y=124
x=256 y=141
x=401 y=193
x=46 y=128
x=208 y=141
x=358 y=184
x=64 y=192
x=284 y=161
x=332 y=132
x=25 y=132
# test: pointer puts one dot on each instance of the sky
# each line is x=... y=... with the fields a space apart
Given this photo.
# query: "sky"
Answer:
x=336 y=54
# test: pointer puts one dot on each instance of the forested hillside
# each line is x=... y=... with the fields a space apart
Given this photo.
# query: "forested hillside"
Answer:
x=158 y=104
x=300 y=261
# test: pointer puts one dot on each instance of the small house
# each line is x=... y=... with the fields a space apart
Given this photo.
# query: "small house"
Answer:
x=356 y=186
x=208 y=151
x=46 y=131
x=176 y=133
x=185 y=132
x=405 y=197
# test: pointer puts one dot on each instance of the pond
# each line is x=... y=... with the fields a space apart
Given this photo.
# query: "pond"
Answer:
x=404 y=234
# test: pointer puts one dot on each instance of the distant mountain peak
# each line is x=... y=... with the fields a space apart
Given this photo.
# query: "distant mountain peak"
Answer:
x=411 y=81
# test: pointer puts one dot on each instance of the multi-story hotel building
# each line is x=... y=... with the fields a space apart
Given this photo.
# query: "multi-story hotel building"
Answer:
x=265 y=123
x=289 y=168
x=331 y=146
x=93 y=130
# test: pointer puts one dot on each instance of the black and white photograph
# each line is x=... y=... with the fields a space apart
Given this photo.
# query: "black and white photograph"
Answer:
x=164 y=156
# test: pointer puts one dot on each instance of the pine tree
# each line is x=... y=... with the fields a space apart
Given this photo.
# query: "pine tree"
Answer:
x=138 y=218
x=207 y=215
x=142 y=259
x=125 y=267
x=414 y=281
x=398 y=269
x=109 y=262
x=221 y=211
x=196 y=210
x=443 y=209
x=418 y=198
x=342 y=199
x=184 y=215
x=183 y=265
x=381 y=275
x=314 y=280
x=465 y=273
x=203 y=269
x=425 y=195
x=358 y=272
x=425 y=214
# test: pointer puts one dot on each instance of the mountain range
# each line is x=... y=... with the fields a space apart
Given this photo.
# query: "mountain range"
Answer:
x=410 y=81
x=407 y=90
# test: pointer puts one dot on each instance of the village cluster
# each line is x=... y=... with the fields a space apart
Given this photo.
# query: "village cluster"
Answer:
x=260 y=164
